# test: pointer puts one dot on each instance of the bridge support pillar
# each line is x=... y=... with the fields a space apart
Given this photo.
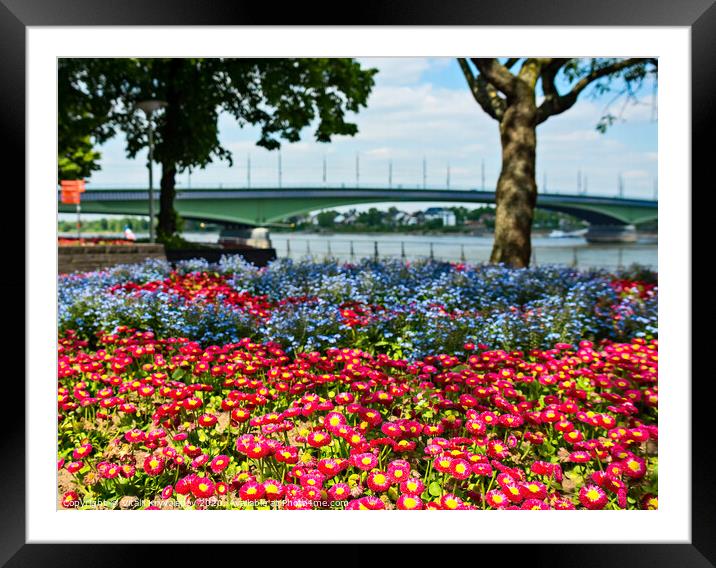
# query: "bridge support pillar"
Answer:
x=597 y=234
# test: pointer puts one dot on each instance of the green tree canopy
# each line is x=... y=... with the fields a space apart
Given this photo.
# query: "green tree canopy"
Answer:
x=280 y=96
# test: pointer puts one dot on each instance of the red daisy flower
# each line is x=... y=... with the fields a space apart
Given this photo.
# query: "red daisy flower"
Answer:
x=202 y=487
x=339 y=491
x=412 y=486
x=592 y=497
x=378 y=481
x=373 y=503
x=74 y=467
x=287 y=454
x=183 y=485
x=533 y=490
x=650 y=502
x=442 y=463
x=273 y=490
x=134 y=436
x=634 y=467
x=153 y=465
x=258 y=450
x=512 y=492
x=409 y=502
x=251 y=491
x=460 y=469
x=398 y=470
x=219 y=463
x=496 y=499
x=330 y=466
x=366 y=461
x=534 y=505
x=450 y=502
x=207 y=420
x=497 y=449
x=127 y=471
x=318 y=439
x=111 y=471
x=82 y=451
x=70 y=500
x=314 y=479
x=580 y=457
x=563 y=505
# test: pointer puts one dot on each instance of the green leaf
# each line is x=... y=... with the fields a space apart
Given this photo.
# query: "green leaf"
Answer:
x=435 y=489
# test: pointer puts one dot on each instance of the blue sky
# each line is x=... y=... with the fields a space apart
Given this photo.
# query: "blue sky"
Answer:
x=421 y=109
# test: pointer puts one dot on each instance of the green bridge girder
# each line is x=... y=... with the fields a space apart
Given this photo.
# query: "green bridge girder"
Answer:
x=270 y=206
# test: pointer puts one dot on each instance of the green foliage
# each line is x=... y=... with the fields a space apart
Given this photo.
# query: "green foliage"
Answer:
x=326 y=219
x=280 y=96
x=86 y=113
x=110 y=225
x=78 y=160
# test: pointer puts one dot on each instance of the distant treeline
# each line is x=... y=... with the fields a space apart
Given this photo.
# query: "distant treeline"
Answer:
x=137 y=224
x=393 y=220
x=106 y=225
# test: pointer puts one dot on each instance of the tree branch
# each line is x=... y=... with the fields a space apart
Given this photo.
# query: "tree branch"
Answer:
x=484 y=93
x=497 y=75
x=554 y=103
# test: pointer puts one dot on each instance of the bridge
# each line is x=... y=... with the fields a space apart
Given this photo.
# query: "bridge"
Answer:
x=269 y=206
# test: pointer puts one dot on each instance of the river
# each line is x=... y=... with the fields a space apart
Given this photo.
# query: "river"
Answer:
x=574 y=251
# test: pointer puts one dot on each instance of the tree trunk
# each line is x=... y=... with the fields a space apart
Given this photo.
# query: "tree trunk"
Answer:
x=167 y=225
x=516 y=194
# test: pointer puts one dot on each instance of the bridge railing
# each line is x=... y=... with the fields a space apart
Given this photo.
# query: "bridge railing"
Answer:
x=584 y=257
x=601 y=193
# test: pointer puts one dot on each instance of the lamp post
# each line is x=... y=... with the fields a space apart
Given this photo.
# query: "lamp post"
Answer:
x=149 y=106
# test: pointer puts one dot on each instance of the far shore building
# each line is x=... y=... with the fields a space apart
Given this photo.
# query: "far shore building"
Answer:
x=446 y=215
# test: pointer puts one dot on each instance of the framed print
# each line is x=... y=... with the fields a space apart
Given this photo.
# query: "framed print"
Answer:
x=568 y=419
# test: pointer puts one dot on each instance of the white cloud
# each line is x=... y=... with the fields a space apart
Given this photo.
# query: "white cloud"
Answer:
x=408 y=119
x=398 y=70
x=573 y=136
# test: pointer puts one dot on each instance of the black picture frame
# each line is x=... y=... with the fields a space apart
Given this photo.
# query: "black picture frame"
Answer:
x=698 y=15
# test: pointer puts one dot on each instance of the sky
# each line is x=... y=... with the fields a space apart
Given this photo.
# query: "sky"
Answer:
x=421 y=111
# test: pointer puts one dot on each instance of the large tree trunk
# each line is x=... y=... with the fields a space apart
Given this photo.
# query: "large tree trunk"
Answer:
x=167 y=225
x=516 y=195
x=168 y=218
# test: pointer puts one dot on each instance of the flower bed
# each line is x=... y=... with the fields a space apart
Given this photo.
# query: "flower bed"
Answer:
x=402 y=310
x=369 y=386
x=89 y=241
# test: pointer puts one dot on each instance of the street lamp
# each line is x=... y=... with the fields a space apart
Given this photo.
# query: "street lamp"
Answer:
x=149 y=106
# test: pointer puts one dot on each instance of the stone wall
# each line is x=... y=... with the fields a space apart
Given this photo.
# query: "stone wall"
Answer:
x=85 y=258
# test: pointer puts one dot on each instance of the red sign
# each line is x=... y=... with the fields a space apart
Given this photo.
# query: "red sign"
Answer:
x=71 y=190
